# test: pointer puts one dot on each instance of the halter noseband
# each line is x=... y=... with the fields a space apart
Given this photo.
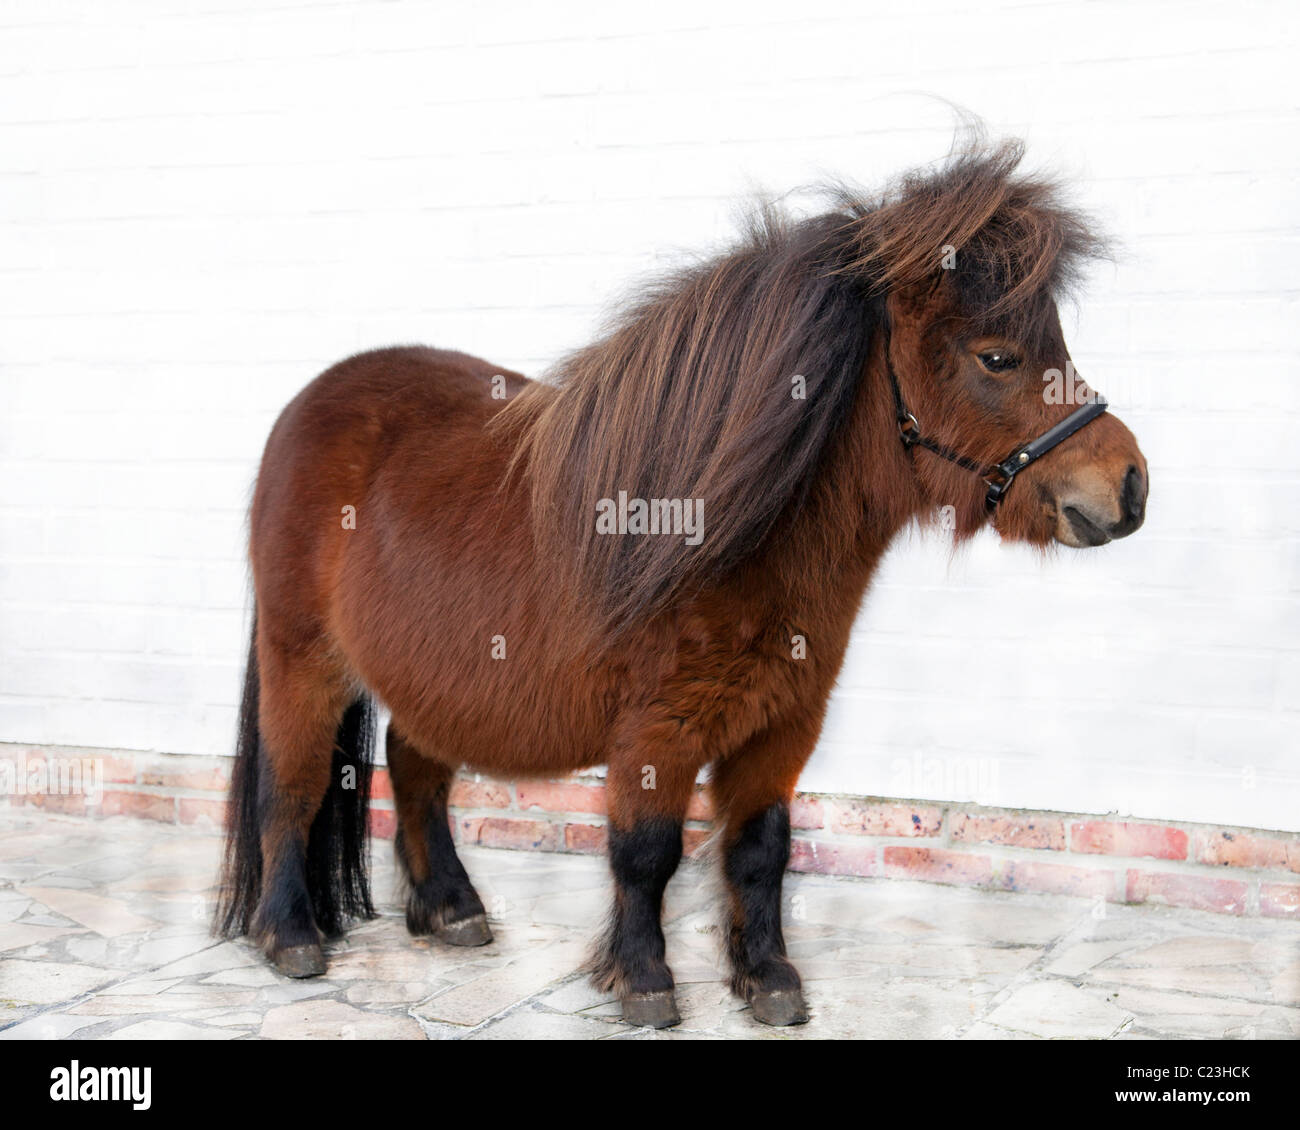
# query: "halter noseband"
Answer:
x=999 y=476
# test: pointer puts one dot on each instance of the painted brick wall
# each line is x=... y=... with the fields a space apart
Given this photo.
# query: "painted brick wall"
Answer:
x=204 y=202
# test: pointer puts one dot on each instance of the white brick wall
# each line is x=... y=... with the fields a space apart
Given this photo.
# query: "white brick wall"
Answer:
x=204 y=202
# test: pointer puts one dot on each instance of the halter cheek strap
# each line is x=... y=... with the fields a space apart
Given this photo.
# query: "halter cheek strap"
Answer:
x=1035 y=449
x=998 y=477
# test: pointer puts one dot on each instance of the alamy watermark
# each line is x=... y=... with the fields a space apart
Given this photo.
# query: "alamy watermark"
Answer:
x=101 y=1084
x=976 y=777
x=52 y=776
x=1067 y=387
x=684 y=516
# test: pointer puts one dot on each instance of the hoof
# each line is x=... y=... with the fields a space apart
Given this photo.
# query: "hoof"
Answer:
x=651 y=1010
x=467 y=932
x=300 y=961
x=780 y=1007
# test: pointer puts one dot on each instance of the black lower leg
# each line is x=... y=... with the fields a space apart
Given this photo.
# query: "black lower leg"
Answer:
x=441 y=899
x=754 y=866
x=285 y=919
x=441 y=892
x=643 y=858
x=284 y=915
x=445 y=895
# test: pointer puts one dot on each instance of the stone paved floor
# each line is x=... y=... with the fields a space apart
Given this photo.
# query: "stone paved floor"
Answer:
x=103 y=935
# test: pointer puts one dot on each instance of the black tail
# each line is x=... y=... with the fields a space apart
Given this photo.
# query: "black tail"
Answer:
x=338 y=847
x=241 y=874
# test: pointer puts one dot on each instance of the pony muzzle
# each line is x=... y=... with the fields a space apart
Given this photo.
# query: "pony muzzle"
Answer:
x=1090 y=512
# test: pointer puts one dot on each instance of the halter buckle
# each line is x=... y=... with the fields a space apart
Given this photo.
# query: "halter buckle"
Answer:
x=996 y=488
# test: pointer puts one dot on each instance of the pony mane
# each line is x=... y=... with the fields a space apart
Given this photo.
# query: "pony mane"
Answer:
x=1014 y=243
x=690 y=392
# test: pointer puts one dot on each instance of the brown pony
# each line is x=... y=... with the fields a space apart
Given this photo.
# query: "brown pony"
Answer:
x=652 y=563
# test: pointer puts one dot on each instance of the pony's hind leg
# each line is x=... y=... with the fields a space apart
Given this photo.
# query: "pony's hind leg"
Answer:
x=442 y=901
x=310 y=809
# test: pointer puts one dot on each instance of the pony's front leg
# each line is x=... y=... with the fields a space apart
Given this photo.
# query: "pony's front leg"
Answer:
x=752 y=790
x=647 y=805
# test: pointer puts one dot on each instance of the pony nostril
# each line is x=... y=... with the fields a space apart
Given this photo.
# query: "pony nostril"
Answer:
x=1135 y=494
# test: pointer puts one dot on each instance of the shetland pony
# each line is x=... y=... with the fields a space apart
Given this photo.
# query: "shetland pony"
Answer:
x=427 y=531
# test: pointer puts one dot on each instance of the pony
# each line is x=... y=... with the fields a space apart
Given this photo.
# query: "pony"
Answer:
x=433 y=532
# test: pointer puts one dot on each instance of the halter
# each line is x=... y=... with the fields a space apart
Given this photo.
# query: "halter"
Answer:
x=999 y=476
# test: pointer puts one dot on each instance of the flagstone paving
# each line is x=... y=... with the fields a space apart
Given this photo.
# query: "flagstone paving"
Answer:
x=104 y=935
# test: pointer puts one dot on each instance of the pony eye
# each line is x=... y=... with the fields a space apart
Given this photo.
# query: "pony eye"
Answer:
x=999 y=361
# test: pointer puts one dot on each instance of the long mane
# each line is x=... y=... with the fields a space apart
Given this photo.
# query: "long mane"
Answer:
x=691 y=393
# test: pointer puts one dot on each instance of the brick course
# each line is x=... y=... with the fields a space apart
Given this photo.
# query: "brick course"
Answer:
x=1221 y=870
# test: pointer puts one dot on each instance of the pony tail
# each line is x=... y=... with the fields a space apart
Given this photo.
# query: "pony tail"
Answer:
x=241 y=876
x=338 y=847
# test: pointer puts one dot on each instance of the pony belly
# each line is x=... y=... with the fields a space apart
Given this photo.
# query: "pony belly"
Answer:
x=524 y=761
x=500 y=746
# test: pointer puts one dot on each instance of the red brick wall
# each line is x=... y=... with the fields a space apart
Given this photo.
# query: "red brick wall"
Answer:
x=1204 y=867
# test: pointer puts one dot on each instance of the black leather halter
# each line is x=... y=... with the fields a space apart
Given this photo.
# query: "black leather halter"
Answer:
x=998 y=477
